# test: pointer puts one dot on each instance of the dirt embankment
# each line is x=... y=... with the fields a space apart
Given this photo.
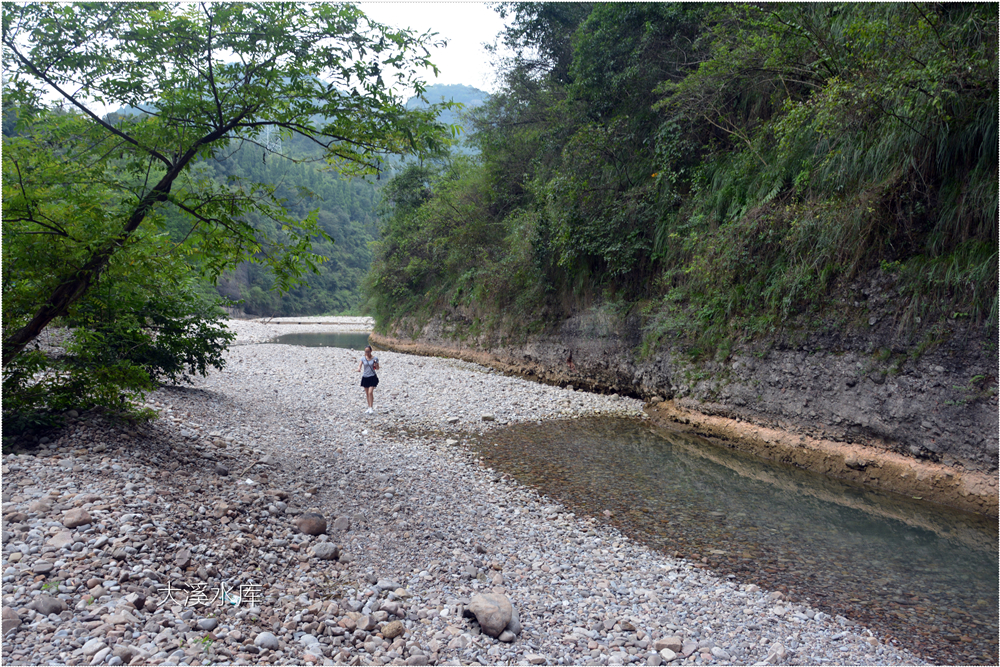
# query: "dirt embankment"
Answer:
x=923 y=425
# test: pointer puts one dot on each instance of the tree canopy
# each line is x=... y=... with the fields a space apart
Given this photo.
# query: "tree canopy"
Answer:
x=722 y=171
x=196 y=78
x=90 y=196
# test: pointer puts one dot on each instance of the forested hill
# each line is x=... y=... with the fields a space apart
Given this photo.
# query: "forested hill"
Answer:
x=723 y=172
x=346 y=211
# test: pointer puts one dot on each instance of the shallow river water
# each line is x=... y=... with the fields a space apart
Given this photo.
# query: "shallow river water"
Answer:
x=917 y=572
x=350 y=340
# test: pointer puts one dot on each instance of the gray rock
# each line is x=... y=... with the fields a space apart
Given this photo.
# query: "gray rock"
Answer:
x=93 y=646
x=208 y=624
x=667 y=655
x=418 y=660
x=493 y=611
x=100 y=656
x=310 y=523
x=392 y=607
x=124 y=653
x=60 y=540
x=11 y=620
x=514 y=626
x=42 y=567
x=221 y=470
x=507 y=636
x=76 y=517
x=46 y=604
x=673 y=643
x=266 y=640
x=326 y=551
x=721 y=653
x=342 y=523
x=183 y=558
x=776 y=654
x=39 y=507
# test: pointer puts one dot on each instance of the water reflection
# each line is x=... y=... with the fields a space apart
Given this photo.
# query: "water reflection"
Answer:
x=350 y=341
x=922 y=573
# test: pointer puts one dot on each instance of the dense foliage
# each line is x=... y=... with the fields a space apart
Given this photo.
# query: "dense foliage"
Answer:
x=112 y=223
x=721 y=169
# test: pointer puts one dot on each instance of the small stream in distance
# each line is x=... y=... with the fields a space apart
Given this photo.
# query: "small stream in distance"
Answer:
x=350 y=341
x=920 y=573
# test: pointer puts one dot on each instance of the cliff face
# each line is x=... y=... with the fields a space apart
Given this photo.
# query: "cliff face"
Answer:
x=858 y=405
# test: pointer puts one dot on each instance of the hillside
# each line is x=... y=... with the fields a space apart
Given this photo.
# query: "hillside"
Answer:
x=665 y=193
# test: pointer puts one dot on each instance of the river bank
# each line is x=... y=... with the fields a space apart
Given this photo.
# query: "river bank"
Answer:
x=839 y=414
x=206 y=497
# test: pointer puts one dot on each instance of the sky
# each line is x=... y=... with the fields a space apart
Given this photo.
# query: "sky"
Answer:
x=466 y=26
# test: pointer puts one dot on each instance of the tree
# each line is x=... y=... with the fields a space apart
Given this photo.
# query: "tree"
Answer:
x=190 y=80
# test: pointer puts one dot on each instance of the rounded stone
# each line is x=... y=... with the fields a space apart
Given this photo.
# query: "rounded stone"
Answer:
x=208 y=624
x=311 y=523
x=266 y=640
x=76 y=517
x=326 y=551
x=493 y=611
x=393 y=629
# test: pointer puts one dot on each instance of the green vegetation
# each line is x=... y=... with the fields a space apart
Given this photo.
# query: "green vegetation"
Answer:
x=725 y=171
x=117 y=225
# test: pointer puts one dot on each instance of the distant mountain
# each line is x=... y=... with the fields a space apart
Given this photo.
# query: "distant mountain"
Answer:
x=467 y=96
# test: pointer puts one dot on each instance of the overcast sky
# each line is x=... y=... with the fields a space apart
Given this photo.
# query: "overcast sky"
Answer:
x=466 y=26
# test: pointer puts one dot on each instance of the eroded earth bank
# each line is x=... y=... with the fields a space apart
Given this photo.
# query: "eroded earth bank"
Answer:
x=917 y=417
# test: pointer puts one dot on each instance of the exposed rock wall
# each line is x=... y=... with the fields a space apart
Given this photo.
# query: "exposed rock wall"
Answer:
x=936 y=410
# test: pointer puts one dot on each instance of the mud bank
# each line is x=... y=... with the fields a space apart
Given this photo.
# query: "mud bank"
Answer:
x=831 y=404
x=878 y=468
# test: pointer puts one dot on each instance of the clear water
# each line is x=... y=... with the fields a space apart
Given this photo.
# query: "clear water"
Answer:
x=350 y=341
x=923 y=574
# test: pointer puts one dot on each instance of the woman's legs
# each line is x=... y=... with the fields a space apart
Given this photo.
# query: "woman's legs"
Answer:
x=370 y=395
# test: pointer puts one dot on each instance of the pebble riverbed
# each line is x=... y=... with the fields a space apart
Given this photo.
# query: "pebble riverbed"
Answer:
x=178 y=541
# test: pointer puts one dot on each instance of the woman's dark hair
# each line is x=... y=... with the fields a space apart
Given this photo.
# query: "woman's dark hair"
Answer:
x=367 y=348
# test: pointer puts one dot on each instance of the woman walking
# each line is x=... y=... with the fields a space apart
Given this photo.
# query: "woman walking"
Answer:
x=369 y=380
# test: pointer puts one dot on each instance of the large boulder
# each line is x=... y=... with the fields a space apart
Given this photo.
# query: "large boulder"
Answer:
x=46 y=604
x=326 y=551
x=11 y=620
x=76 y=517
x=493 y=611
x=310 y=523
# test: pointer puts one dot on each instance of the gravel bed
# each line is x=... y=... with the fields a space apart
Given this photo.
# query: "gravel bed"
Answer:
x=181 y=541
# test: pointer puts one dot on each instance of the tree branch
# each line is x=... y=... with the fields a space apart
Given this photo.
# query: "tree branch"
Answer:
x=79 y=105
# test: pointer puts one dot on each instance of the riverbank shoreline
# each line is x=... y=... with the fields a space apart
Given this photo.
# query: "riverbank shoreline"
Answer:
x=873 y=464
x=214 y=492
